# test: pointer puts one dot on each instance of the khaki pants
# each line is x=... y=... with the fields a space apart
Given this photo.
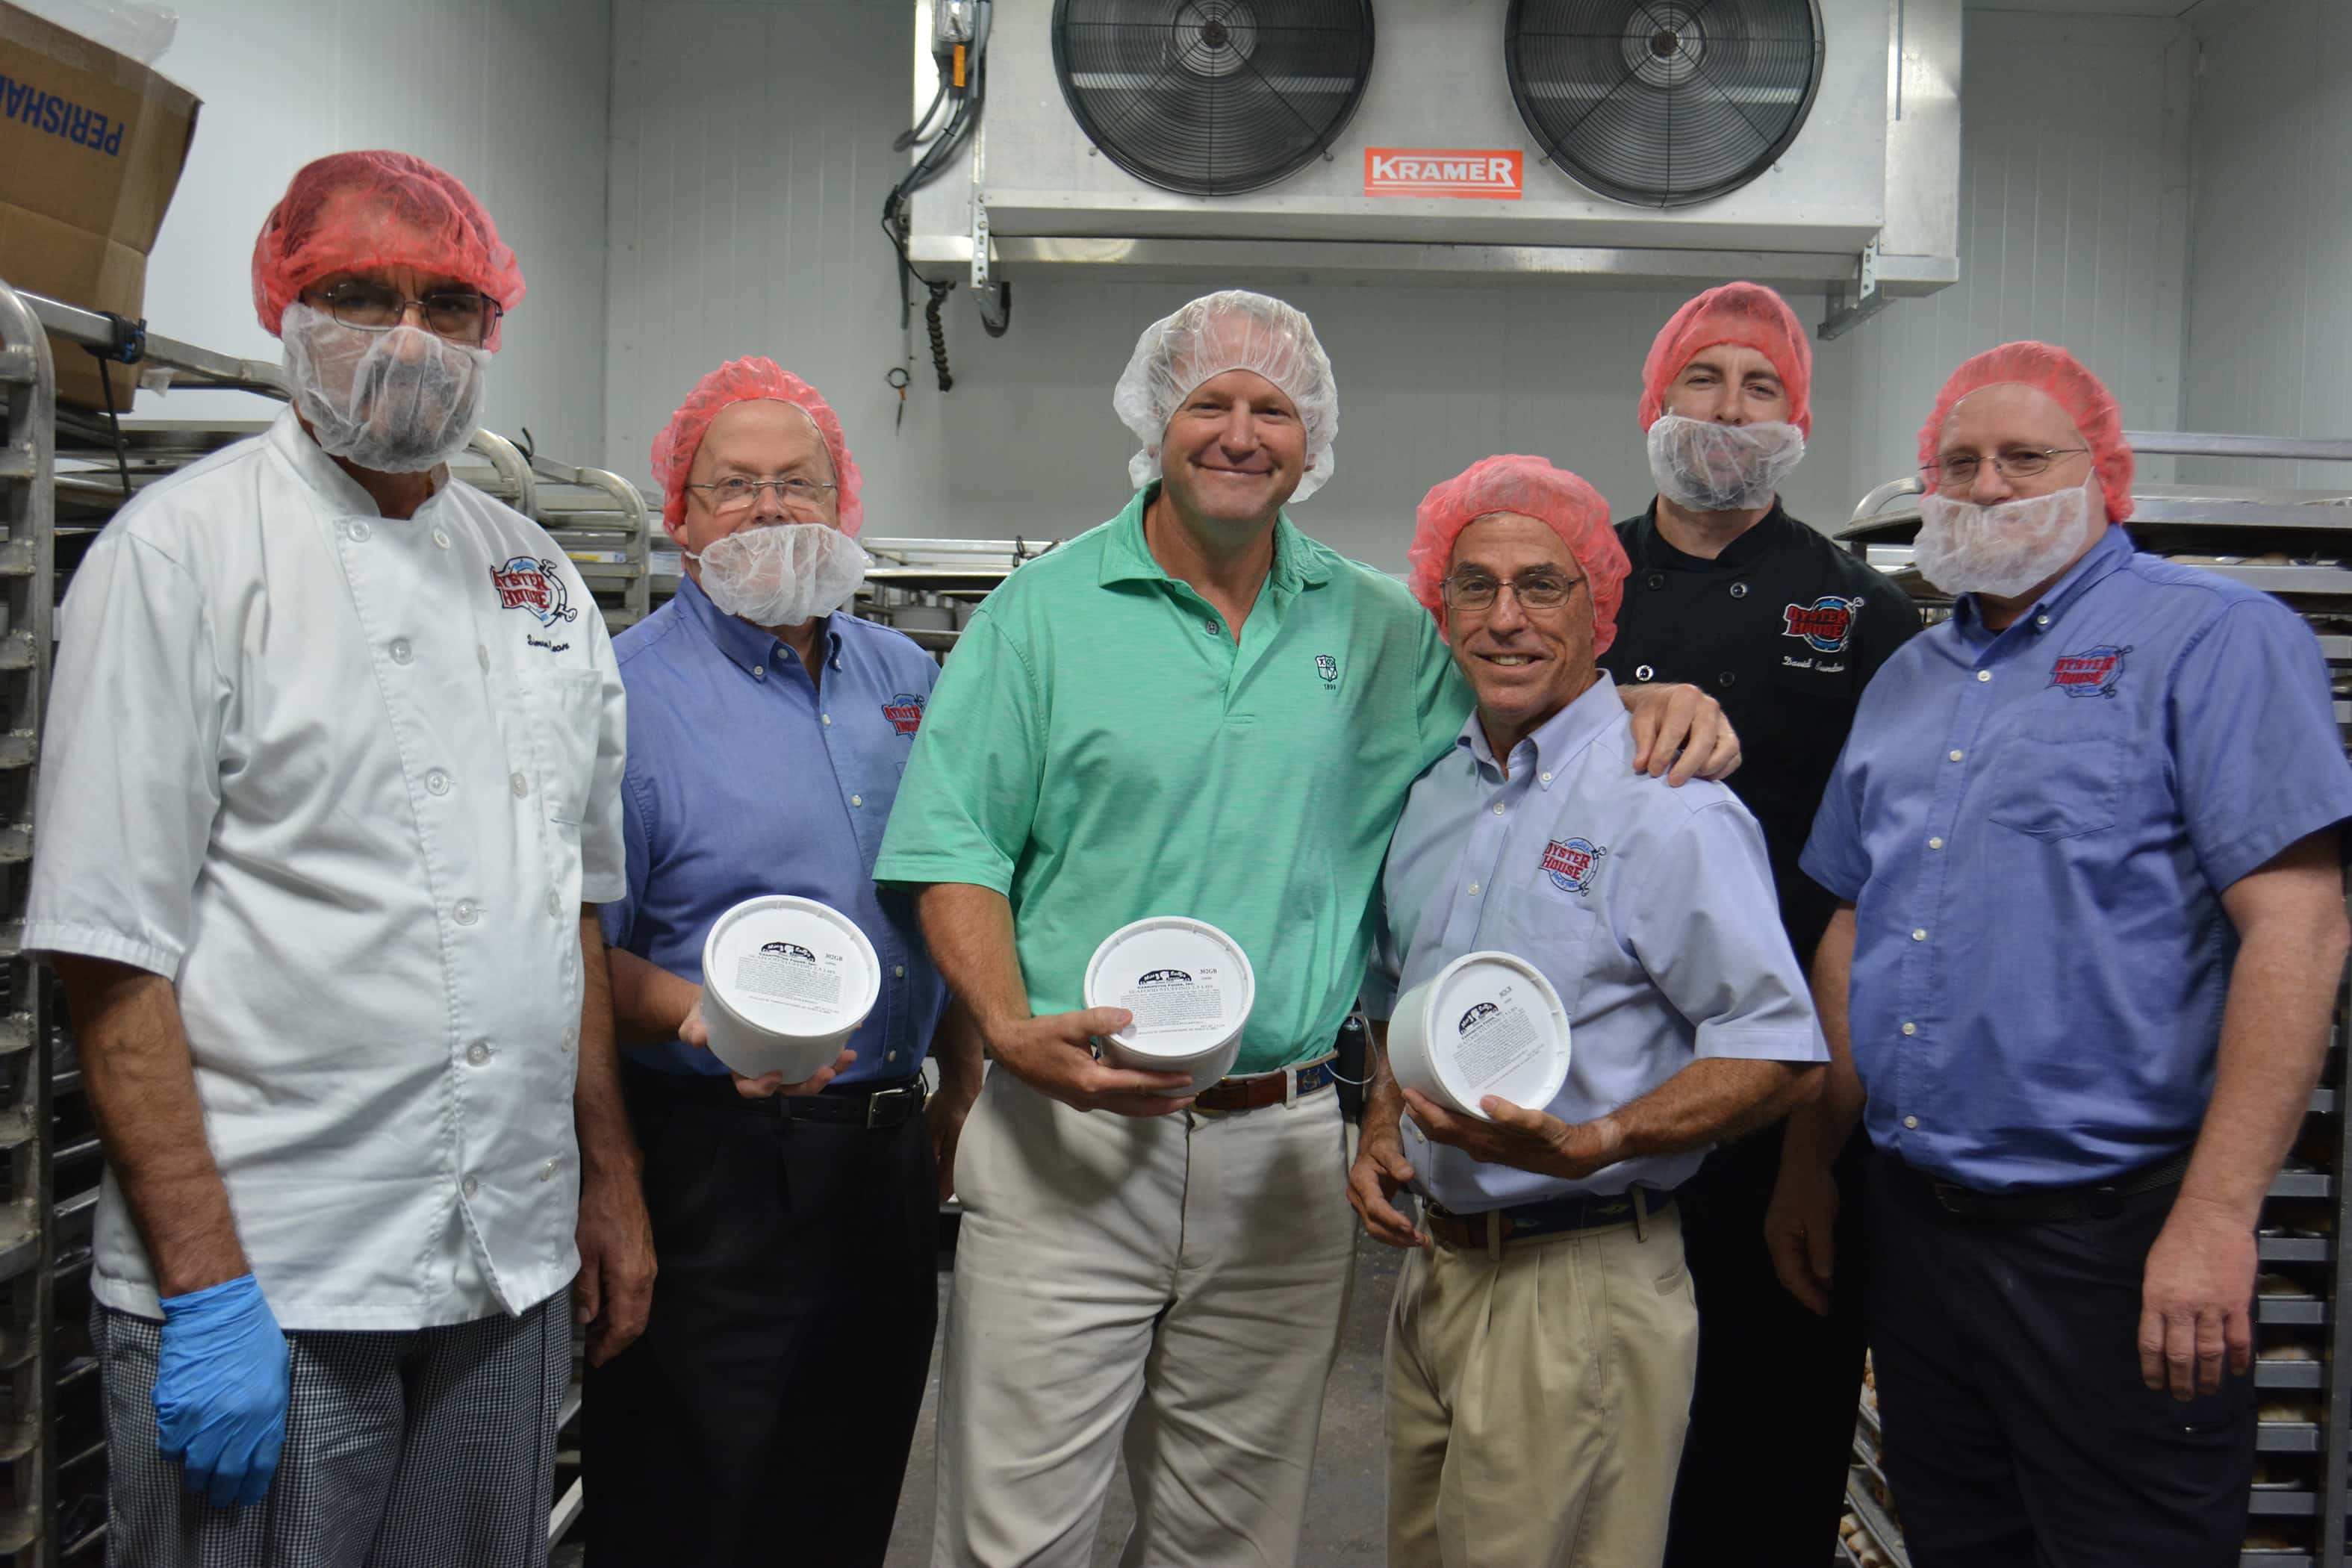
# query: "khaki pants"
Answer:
x=1536 y=1401
x=1174 y=1286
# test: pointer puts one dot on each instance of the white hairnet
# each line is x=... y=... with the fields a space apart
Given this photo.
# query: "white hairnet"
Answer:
x=1233 y=330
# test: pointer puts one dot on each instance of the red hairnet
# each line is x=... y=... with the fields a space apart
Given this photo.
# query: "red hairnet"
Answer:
x=1747 y=314
x=395 y=211
x=2053 y=371
x=1532 y=488
x=748 y=381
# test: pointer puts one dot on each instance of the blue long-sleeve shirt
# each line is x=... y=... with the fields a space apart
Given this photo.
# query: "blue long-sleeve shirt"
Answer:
x=744 y=779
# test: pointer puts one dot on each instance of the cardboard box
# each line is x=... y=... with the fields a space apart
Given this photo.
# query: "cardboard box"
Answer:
x=91 y=145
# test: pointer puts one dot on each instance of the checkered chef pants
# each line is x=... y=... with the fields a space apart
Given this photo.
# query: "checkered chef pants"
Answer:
x=421 y=1448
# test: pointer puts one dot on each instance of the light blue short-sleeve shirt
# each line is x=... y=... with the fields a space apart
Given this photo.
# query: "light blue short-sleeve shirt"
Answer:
x=1650 y=909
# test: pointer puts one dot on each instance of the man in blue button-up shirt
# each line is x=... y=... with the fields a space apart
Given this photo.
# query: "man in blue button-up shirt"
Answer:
x=795 y=1226
x=2086 y=834
x=1540 y=1357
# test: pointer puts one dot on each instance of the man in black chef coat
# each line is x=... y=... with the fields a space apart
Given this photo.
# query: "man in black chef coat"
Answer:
x=1784 y=628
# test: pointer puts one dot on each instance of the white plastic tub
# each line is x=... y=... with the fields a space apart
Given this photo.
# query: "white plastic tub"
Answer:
x=1488 y=1022
x=785 y=983
x=1190 y=988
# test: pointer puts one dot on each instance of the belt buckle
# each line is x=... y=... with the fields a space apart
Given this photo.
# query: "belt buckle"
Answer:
x=873 y=1100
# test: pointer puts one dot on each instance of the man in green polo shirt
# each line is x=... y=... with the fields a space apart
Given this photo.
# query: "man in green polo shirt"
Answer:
x=1192 y=710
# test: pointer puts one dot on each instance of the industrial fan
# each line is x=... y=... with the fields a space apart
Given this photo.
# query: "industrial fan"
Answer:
x=1211 y=97
x=1663 y=103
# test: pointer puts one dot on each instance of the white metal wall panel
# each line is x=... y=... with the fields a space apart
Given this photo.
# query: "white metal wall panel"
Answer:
x=2073 y=225
x=509 y=96
x=2270 y=301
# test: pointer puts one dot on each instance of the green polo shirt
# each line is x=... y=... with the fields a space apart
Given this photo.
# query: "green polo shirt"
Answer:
x=1099 y=749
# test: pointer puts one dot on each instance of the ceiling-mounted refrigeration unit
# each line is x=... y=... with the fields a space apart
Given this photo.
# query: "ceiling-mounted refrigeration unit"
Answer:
x=1810 y=143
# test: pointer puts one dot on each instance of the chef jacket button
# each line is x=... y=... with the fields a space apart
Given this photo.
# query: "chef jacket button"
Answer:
x=547 y=1172
x=567 y=1044
x=554 y=902
x=899 y=970
x=482 y=656
x=857 y=800
x=1645 y=673
x=467 y=912
x=519 y=784
x=1984 y=675
x=436 y=782
x=441 y=537
x=1725 y=678
x=1655 y=580
x=400 y=650
x=1911 y=1122
x=1910 y=1028
x=470 y=1186
x=358 y=529
x=1739 y=590
x=478 y=1053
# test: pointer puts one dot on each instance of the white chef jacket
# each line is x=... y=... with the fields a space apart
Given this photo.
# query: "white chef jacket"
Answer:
x=346 y=780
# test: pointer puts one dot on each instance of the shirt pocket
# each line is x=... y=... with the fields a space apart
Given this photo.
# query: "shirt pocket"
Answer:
x=2049 y=783
x=566 y=712
x=1554 y=932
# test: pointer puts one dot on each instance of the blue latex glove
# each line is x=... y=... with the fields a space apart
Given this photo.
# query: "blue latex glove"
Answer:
x=220 y=1391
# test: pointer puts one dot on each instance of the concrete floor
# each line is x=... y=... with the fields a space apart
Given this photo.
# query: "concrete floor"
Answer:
x=1345 y=1507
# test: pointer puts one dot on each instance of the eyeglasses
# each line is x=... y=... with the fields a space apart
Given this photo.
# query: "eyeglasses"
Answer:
x=2017 y=463
x=738 y=492
x=1536 y=590
x=460 y=315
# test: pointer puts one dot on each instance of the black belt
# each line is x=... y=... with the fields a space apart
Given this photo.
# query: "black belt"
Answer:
x=1553 y=1216
x=2102 y=1200
x=887 y=1104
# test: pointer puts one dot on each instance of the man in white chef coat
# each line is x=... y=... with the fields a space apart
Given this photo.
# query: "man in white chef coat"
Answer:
x=330 y=773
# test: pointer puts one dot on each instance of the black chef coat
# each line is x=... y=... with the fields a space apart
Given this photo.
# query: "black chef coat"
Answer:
x=1784 y=628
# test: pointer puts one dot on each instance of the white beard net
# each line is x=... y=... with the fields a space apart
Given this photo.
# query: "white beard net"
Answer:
x=2002 y=550
x=398 y=402
x=1235 y=329
x=1702 y=466
x=780 y=574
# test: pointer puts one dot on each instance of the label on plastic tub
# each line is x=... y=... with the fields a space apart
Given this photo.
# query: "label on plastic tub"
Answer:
x=792 y=975
x=1169 y=999
x=1493 y=1040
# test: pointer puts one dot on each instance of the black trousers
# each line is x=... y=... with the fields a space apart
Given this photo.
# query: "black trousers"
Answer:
x=2018 y=1431
x=1763 y=1472
x=765 y=1415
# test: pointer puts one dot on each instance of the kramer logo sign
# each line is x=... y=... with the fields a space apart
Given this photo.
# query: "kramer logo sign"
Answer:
x=1480 y=174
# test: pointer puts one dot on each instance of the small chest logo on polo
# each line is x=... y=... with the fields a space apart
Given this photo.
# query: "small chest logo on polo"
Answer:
x=1825 y=625
x=1328 y=668
x=789 y=949
x=905 y=712
x=1476 y=1016
x=1570 y=863
x=2093 y=672
x=534 y=585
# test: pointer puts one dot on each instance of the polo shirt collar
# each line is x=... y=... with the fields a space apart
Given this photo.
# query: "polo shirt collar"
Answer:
x=751 y=648
x=1651 y=549
x=1127 y=558
x=2114 y=547
x=1559 y=739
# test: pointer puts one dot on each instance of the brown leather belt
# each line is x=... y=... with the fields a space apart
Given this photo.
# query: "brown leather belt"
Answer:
x=1261 y=1089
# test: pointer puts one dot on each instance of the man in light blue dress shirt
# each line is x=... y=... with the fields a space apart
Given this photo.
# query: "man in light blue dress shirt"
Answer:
x=795 y=1228
x=2085 y=837
x=1541 y=1354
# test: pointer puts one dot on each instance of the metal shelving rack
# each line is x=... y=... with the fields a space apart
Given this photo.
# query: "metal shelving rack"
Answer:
x=2295 y=544
x=29 y=1439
